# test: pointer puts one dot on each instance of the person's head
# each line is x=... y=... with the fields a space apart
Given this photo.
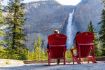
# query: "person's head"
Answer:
x=56 y=31
x=77 y=33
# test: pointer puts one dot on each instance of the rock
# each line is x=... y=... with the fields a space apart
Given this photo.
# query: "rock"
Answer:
x=86 y=11
x=42 y=18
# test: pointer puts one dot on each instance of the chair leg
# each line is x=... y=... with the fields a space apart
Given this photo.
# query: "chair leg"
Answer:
x=64 y=61
x=48 y=61
x=78 y=60
x=73 y=60
x=91 y=58
x=58 y=61
x=88 y=61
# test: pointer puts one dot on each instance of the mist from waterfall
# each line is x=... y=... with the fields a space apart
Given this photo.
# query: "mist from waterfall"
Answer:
x=71 y=31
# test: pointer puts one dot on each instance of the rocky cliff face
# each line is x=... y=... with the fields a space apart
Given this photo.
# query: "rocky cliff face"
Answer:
x=86 y=11
x=43 y=17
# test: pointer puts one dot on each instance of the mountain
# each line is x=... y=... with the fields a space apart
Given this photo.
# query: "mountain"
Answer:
x=86 y=11
x=43 y=17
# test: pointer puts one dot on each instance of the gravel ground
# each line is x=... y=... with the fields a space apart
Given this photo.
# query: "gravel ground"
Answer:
x=96 y=66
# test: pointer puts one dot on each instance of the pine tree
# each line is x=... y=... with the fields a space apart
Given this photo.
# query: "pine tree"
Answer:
x=96 y=40
x=39 y=53
x=37 y=49
x=90 y=27
x=1 y=14
x=102 y=30
x=15 y=20
x=2 y=33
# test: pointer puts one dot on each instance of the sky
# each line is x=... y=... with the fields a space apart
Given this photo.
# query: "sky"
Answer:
x=63 y=2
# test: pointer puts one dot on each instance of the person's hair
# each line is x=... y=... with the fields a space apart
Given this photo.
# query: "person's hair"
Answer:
x=77 y=33
x=56 y=31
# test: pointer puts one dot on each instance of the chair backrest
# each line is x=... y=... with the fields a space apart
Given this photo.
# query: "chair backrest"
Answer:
x=84 y=43
x=57 y=39
x=57 y=45
x=85 y=37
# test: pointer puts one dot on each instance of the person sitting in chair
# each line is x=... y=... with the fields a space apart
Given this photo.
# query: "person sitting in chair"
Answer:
x=74 y=48
x=57 y=34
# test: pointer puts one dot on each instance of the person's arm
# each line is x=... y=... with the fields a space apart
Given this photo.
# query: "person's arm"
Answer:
x=47 y=46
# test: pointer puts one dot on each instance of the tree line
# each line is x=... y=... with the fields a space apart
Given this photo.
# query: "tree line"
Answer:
x=12 y=46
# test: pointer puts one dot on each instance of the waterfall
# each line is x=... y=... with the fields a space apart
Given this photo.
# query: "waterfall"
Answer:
x=70 y=31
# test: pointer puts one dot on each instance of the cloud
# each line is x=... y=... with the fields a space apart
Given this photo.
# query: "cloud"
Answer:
x=68 y=2
x=63 y=2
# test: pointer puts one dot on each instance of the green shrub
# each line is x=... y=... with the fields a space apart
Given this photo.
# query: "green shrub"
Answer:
x=8 y=53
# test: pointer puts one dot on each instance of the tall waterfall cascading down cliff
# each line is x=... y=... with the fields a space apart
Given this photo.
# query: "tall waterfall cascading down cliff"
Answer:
x=70 y=31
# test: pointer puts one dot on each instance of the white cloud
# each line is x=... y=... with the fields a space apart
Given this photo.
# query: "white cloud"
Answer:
x=32 y=0
x=63 y=2
x=68 y=2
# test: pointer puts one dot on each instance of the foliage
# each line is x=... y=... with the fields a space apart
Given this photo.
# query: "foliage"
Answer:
x=1 y=15
x=98 y=50
x=38 y=53
x=90 y=27
x=68 y=55
x=2 y=33
x=15 y=36
x=15 y=19
x=102 y=30
x=96 y=40
x=8 y=53
x=2 y=52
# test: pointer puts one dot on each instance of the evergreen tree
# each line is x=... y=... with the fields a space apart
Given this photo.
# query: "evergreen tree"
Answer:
x=2 y=33
x=102 y=30
x=16 y=22
x=90 y=27
x=16 y=36
x=37 y=49
x=1 y=14
x=38 y=52
x=96 y=40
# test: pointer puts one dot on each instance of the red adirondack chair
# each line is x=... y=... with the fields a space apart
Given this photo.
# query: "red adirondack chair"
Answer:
x=57 y=47
x=85 y=47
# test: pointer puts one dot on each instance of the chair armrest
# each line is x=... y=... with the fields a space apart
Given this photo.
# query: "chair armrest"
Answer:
x=72 y=51
x=87 y=44
x=47 y=50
